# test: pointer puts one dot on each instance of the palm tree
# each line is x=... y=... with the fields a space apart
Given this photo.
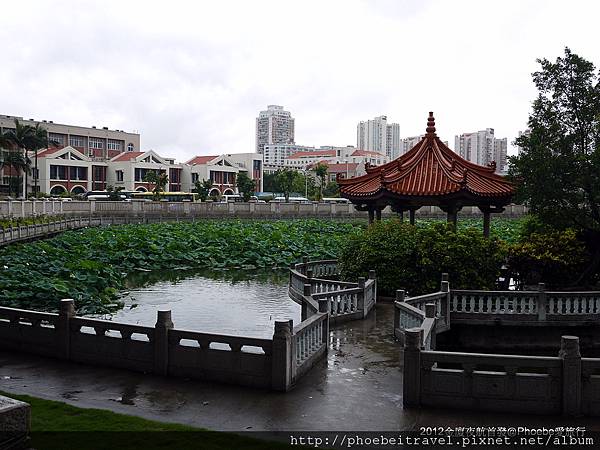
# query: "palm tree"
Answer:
x=26 y=138
x=16 y=161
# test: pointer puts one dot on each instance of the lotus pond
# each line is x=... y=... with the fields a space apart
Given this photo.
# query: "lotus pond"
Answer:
x=92 y=265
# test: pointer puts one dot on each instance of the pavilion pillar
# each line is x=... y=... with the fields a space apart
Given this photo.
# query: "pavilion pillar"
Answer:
x=486 y=223
x=378 y=214
x=401 y=215
x=452 y=213
x=371 y=215
x=411 y=215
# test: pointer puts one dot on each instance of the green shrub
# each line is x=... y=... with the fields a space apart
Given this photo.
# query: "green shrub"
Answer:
x=414 y=257
x=554 y=257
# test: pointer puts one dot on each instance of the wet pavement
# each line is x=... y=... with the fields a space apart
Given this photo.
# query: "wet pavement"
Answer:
x=358 y=387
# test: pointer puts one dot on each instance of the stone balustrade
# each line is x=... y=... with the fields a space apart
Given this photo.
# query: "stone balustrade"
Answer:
x=343 y=300
x=265 y=363
x=539 y=307
x=567 y=384
x=18 y=208
x=28 y=232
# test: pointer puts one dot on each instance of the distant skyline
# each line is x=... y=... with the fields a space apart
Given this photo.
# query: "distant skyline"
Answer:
x=191 y=78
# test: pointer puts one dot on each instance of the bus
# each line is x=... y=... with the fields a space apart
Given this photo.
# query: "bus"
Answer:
x=105 y=195
x=166 y=196
x=291 y=200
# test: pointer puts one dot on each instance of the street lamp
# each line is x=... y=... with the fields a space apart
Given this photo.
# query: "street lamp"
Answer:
x=305 y=183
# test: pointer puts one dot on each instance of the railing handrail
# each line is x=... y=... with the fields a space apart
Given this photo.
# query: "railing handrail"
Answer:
x=307 y=323
x=531 y=361
x=216 y=337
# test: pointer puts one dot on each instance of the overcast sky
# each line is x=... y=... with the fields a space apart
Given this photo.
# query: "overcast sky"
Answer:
x=191 y=77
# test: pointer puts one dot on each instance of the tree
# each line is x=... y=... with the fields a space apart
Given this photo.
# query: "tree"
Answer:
x=245 y=185
x=15 y=161
x=331 y=190
x=113 y=192
x=285 y=181
x=557 y=171
x=203 y=188
x=20 y=139
x=321 y=172
x=159 y=180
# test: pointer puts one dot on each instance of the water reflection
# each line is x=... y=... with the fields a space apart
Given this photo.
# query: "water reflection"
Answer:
x=226 y=302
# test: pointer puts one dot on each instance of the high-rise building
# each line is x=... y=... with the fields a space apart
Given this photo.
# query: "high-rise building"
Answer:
x=392 y=144
x=409 y=142
x=274 y=126
x=527 y=132
x=480 y=148
x=378 y=136
x=500 y=155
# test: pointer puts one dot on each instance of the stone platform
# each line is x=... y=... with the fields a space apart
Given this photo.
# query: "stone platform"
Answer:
x=14 y=423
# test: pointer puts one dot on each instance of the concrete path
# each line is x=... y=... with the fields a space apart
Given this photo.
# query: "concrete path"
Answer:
x=358 y=387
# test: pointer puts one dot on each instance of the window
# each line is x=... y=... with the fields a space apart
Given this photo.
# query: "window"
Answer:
x=58 y=172
x=130 y=147
x=78 y=173
x=96 y=143
x=58 y=138
x=119 y=174
x=76 y=141
x=195 y=178
x=114 y=145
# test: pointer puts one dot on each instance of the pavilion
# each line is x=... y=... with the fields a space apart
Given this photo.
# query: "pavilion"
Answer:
x=429 y=174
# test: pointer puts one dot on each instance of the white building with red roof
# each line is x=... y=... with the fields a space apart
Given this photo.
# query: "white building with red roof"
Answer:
x=335 y=155
x=68 y=170
x=128 y=170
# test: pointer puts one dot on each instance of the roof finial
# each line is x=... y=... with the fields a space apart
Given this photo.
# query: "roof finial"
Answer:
x=430 y=124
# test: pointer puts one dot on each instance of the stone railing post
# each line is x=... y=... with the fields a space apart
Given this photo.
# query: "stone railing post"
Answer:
x=445 y=287
x=399 y=334
x=304 y=307
x=161 y=342
x=430 y=312
x=411 y=383
x=571 y=375
x=65 y=313
x=542 y=302
x=309 y=273
x=324 y=308
x=360 y=298
x=444 y=278
x=373 y=276
x=281 y=363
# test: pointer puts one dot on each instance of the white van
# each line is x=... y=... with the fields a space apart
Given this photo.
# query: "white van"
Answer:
x=235 y=198
x=336 y=200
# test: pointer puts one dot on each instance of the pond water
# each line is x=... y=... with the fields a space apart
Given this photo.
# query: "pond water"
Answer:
x=241 y=303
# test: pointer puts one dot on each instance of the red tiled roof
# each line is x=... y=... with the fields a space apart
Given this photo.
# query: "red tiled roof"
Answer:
x=48 y=151
x=366 y=153
x=200 y=159
x=312 y=154
x=127 y=156
x=429 y=169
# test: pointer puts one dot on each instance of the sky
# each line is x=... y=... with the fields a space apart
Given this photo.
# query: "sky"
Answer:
x=191 y=77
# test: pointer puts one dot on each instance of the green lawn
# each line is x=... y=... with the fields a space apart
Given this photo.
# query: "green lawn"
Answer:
x=56 y=425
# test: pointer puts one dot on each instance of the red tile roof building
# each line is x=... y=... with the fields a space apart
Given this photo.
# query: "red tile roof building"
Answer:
x=428 y=174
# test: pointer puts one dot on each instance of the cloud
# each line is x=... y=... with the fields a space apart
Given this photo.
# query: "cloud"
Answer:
x=192 y=77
